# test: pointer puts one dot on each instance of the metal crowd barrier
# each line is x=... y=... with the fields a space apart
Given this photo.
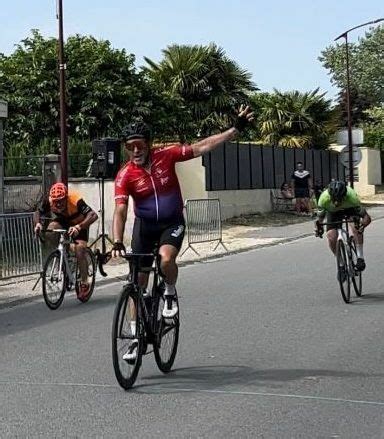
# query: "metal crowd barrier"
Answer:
x=19 y=250
x=203 y=217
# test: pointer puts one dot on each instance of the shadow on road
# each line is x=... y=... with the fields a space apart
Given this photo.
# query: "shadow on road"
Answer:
x=221 y=377
x=35 y=314
x=368 y=299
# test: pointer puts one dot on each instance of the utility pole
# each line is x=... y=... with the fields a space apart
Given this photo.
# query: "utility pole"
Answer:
x=348 y=95
x=63 y=108
x=3 y=115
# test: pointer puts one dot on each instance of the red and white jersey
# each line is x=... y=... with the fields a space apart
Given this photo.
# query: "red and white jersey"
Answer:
x=156 y=192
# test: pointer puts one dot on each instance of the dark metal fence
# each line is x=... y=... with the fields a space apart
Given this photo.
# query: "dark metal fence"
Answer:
x=234 y=166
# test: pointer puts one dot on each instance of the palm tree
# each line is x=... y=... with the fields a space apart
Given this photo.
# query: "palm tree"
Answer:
x=296 y=120
x=210 y=84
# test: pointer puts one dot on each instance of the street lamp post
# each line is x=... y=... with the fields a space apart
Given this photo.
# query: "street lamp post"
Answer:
x=63 y=110
x=348 y=95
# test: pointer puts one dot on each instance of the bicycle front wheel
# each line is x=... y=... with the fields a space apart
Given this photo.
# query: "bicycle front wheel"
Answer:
x=357 y=276
x=343 y=274
x=167 y=336
x=91 y=264
x=127 y=337
x=54 y=280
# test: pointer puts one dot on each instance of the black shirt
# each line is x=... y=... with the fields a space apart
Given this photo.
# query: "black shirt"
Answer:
x=301 y=179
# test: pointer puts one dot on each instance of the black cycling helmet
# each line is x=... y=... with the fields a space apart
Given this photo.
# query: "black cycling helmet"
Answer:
x=337 y=190
x=136 y=130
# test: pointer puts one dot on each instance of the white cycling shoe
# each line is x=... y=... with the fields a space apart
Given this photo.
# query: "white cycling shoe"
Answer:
x=170 y=306
x=131 y=353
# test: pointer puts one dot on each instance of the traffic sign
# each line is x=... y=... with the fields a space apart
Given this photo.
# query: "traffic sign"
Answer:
x=356 y=156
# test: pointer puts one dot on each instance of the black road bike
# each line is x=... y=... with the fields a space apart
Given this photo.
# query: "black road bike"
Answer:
x=138 y=322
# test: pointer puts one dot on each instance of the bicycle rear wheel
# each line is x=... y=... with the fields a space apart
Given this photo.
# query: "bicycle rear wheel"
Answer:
x=357 y=277
x=167 y=335
x=343 y=274
x=54 y=280
x=91 y=262
x=127 y=331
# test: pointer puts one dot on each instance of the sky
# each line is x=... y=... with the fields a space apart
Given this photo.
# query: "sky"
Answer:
x=277 y=41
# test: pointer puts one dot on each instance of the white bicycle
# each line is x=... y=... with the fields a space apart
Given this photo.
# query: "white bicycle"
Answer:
x=61 y=271
x=346 y=258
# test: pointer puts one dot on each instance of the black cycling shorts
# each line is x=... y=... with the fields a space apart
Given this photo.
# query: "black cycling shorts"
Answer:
x=146 y=235
x=337 y=217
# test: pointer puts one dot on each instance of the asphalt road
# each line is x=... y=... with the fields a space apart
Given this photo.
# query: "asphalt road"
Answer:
x=267 y=350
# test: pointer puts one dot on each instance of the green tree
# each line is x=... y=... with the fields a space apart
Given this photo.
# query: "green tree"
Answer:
x=103 y=89
x=359 y=106
x=28 y=81
x=366 y=70
x=296 y=120
x=374 y=128
x=208 y=85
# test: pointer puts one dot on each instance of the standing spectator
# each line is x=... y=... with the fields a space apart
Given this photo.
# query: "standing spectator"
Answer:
x=302 y=188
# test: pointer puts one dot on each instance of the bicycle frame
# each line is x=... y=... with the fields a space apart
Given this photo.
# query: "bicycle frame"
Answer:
x=149 y=318
x=343 y=235
x=345 y=258
x=150 y=326
x=343 y=232
x=63 y=242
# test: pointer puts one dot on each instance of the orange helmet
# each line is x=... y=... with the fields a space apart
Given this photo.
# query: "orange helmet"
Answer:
x=58 y=192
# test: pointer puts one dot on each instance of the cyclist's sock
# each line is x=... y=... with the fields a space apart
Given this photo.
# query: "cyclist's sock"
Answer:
x=133 y=327
x=169 y=289
x=359 y=251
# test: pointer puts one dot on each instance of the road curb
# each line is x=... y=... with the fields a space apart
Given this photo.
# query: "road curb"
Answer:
x=120 y=278
x=278 y=241
x=228 y=253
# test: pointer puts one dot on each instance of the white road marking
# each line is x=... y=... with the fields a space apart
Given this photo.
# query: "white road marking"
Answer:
x=209 y=391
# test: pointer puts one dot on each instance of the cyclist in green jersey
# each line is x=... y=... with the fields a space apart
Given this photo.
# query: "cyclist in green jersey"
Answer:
x=334 y=203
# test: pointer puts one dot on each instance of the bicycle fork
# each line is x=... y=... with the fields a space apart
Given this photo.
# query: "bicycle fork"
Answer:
x=342 y=236
x=67 y=269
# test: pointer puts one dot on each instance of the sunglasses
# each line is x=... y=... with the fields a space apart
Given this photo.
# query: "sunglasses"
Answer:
x=140 y=145
x=59 y=202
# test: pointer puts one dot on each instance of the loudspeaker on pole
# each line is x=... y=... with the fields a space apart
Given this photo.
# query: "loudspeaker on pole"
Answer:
x=105 y=158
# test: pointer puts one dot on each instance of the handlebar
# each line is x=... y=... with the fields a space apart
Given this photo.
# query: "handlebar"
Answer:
x=344 y=220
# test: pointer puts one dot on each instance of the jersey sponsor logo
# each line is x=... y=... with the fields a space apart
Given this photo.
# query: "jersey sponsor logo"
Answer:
x=177 y=232
x=164 y=180
x=140 y=183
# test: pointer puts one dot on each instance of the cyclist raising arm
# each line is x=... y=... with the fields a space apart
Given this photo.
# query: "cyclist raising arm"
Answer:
x=150 y=179
x=334 y=203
